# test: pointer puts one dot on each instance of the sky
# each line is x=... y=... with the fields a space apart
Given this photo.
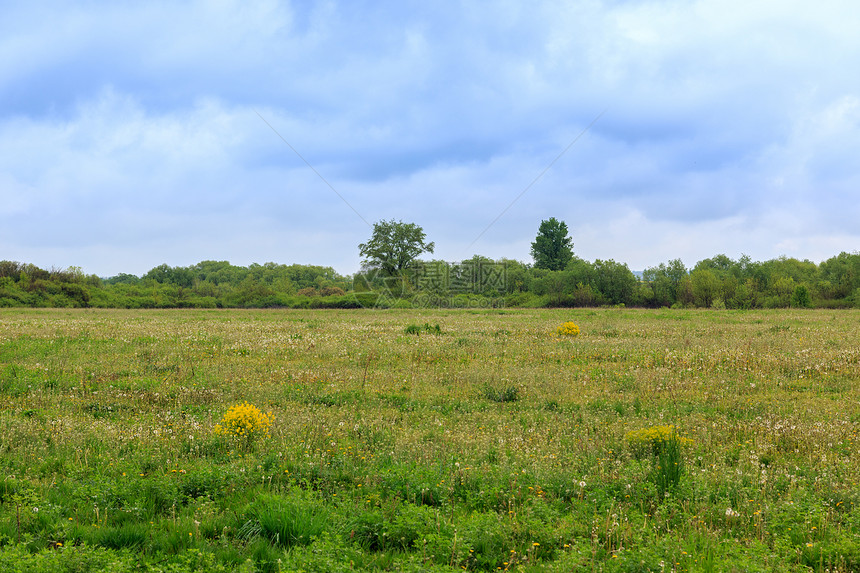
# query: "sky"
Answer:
x=134 y=134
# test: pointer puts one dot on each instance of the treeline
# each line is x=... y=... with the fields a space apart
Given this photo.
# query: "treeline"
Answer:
x=208 y=284
x=718 y=282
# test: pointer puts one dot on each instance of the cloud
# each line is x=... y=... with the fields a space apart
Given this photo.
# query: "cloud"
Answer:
x=130 y=134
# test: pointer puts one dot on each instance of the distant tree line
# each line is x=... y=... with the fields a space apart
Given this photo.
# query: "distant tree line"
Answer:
x=717 y=282
x=208 y=284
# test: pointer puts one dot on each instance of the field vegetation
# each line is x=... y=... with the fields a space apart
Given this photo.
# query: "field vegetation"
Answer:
x=480 y=440
x=717 y=283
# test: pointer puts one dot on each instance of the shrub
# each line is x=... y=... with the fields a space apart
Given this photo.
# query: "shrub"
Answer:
x=367 y=528
x=567 y=329
x=332 y=291
x=800 y=298
x=410 y=524
x=245 y=423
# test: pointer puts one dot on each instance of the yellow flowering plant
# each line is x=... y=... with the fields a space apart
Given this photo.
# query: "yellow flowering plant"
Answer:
x=567 y=329
x=654 y=440
x=665 y=443
x=245 y=423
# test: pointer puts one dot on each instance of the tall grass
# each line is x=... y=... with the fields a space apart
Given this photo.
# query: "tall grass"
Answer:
x=492 y=443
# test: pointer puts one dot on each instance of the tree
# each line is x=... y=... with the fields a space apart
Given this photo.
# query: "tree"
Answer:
x=615 y=281
x=706 y=286
x=552 y=248
x=165 y=274
x=841 y=271
x=664 y=281
x=393 y=246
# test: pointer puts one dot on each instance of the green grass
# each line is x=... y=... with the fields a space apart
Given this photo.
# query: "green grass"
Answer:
x=491 y=444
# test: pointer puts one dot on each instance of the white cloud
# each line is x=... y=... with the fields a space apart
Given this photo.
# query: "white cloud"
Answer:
x=128 y=134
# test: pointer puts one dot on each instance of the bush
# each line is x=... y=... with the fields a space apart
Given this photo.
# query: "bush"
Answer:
x=801 y=298
x=367 y=529
x=245 y=423
x=332 y=291
x=567 y=329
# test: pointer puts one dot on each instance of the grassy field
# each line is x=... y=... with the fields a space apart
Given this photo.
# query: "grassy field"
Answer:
x=430 y=440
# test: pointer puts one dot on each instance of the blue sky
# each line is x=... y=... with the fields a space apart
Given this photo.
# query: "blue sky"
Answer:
x=131 y=133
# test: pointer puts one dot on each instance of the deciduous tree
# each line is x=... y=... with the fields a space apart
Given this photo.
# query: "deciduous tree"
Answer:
x=393 y=245
x=552 y=248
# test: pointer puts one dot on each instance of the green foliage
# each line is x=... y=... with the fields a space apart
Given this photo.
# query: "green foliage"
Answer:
x=664 y=281
x=664 y=444
x=80 y=559
x=501 y=395
x=285 y=521
x=668 y=465
x=425 y=328
x=800 y=298
x=615 y=281
x=393 y=245
x=718 y=282
x=552 y=249
x=217 y=284
x=706 y=287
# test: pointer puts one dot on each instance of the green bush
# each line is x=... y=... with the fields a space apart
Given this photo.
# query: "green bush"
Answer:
x=800 y=298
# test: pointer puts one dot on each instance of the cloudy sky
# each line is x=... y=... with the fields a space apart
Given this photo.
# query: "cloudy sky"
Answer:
x=139 y=133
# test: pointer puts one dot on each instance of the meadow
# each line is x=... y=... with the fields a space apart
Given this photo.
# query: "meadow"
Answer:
x=419 y=440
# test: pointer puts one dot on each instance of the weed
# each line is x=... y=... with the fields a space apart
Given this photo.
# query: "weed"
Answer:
x=285 y=521
x=664 y=444
x=501 y=395
x=423 y=329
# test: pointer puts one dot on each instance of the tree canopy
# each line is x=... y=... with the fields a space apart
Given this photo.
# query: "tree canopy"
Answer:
x=393 y=245
x=552 y=249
